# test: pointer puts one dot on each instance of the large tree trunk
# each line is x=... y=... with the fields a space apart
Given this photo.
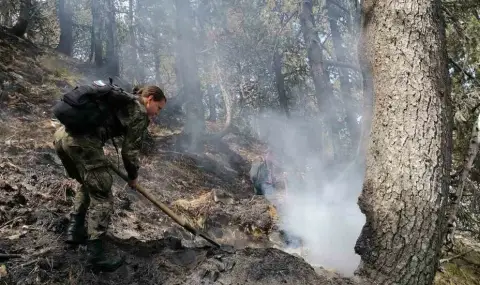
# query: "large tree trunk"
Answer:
x=409 y=156
x=20 y=27
x=65 y=18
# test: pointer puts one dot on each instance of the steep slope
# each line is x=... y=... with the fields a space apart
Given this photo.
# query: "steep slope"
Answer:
x=36 y=196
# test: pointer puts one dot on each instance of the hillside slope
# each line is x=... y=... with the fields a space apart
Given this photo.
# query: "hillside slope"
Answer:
x=36 y=196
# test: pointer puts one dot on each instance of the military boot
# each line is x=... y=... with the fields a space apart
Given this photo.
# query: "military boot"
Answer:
x=76 y=233
x=97 y=257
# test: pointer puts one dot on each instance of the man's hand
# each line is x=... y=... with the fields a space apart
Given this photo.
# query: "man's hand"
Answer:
x=133 y=183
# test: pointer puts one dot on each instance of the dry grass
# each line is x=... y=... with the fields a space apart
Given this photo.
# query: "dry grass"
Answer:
x=195 y=210
x=203 y=201
x=58 y=69
x=463 y=270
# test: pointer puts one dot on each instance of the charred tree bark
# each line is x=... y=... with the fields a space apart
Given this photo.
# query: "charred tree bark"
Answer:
x=20 y=27
x=195 y=123
x=409 y=156
x=65 y=19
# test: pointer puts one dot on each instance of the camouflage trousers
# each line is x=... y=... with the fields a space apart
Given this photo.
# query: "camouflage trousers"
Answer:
x=85 y=161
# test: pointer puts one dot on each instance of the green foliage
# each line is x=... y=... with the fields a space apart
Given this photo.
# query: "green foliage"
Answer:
x=463 y=32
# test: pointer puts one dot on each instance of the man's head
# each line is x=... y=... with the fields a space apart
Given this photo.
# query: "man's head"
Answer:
x=153 y=99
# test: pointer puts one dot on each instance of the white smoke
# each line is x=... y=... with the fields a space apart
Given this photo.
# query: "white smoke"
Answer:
x=320 y=208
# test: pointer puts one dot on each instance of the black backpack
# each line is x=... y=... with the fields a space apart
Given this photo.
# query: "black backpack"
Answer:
x=86 y=107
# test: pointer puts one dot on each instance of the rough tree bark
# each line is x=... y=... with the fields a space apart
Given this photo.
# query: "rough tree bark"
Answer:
x=65 y=19
x=409 y=156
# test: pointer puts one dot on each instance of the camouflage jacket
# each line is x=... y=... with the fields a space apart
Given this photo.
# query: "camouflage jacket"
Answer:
x=130 y=122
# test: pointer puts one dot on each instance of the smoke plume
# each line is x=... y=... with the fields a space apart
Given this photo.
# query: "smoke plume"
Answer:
x=321 y=204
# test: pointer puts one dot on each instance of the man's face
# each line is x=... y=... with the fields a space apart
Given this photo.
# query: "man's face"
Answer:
x=154 y=107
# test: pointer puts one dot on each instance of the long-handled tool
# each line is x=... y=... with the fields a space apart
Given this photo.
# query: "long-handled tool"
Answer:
x=166 y=210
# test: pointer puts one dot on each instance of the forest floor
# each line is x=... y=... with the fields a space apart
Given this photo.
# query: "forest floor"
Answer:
x=211 y=189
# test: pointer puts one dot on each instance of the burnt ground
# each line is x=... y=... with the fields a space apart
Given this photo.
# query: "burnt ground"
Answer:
x=210 y=189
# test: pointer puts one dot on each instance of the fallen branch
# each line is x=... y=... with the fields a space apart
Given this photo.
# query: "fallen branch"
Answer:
x=8 y=256
x=11 y=222
x=28 y=263
x=467 y=166
x=35 y=254
x=444 y=260
x=459 y=68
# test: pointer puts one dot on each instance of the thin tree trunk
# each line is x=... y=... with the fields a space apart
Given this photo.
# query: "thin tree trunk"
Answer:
x=212 y=110
x=280 y=82
x=97 y=24
x=409 y=156
x=133 y=56
x=345 y=85
x=195 y=123
x=323 y=89
x=113 y=67
x=456 y=198
x=158 y=76
x=140 y=46
x=92 y=44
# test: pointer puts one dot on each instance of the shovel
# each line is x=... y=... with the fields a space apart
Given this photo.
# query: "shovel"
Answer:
x=179 y=220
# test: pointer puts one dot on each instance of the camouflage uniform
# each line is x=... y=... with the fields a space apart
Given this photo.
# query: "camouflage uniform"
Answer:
x=261 y=175
x=85 y=161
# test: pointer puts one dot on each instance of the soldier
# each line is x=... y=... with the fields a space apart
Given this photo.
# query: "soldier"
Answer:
x=262 y=175
x=84 y=160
